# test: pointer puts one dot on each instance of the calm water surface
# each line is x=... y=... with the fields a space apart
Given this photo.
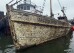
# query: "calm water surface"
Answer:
x=61 y=45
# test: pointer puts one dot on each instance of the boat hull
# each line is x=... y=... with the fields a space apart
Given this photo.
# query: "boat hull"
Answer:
x=30 y=29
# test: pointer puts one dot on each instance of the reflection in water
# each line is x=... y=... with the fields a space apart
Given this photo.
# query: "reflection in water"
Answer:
x=71 y=46
x=61 y=45
x=6 y=45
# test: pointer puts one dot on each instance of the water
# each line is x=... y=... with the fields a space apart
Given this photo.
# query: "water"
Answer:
x=61 y=45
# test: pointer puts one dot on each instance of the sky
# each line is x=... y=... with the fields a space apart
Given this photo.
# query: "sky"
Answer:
x=68 y=4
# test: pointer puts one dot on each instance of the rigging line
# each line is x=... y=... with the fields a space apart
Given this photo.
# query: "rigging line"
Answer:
x=59 y=3
x=16 y=2
x=43 y=6
x=10 y=1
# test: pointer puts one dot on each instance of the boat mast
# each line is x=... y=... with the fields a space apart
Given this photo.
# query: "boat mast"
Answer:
x=51 y=13
x=63 y=11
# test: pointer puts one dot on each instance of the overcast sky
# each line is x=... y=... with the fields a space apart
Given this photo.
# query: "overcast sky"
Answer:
x=69 y=4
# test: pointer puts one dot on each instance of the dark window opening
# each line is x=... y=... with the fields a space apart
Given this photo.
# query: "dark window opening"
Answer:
x=21 y=7
x=28 y=7
x=60 y=18
x=24 y=7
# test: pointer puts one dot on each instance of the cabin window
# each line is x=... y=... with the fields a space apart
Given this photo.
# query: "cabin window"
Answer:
x=21 y=7
x=24 y=7
x=28 y=7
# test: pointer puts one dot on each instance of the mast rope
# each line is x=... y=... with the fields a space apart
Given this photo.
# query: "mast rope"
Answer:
x=43 y=6
x=10 y=1
x=59 y=4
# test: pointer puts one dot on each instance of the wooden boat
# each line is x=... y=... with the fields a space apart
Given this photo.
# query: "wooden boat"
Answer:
x=31 y=28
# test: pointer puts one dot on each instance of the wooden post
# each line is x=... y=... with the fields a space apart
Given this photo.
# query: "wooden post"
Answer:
x=51 y=14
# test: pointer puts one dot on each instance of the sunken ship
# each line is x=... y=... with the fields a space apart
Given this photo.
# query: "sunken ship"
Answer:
x=29 y=27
